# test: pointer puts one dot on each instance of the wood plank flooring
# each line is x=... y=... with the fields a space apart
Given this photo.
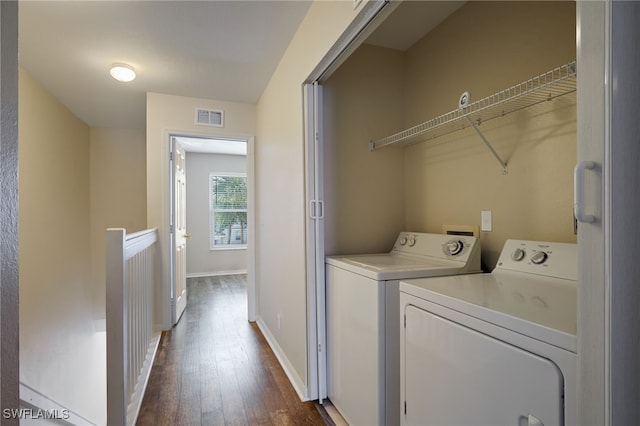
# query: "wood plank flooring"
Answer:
x=215 y=368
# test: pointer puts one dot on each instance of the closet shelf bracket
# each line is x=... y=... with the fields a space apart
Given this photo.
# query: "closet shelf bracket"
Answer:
x=475 y=127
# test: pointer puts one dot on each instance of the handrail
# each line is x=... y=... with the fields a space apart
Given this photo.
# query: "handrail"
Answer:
x=139 y=241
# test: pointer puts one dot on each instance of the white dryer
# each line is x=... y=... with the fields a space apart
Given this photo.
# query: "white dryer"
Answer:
x=493 y=349
x=363 y=328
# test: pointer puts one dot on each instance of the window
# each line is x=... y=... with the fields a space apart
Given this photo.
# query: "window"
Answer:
x=227 y=210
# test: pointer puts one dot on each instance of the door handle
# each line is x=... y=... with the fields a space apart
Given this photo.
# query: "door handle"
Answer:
x=578 y=191
x=529 y=420
x=187 y=236
x=317 y=209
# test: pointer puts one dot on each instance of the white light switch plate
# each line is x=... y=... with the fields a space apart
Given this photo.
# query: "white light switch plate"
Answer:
x=485 y=220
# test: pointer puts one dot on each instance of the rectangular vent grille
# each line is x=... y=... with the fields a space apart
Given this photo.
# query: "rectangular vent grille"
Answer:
x=210 y=117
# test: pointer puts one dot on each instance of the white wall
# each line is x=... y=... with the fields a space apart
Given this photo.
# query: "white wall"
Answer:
x=166 y=115
x=280 y=251
x=61 y=354
x=201 y=260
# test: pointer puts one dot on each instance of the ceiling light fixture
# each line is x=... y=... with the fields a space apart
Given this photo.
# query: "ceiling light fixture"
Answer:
x=122 y=72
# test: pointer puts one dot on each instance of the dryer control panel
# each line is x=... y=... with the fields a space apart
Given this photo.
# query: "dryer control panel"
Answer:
x=558 y=260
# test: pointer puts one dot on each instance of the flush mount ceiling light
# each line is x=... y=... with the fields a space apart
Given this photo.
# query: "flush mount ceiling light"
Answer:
x=122 y=72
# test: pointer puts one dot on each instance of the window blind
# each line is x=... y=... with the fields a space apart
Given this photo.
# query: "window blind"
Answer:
x=228 y=210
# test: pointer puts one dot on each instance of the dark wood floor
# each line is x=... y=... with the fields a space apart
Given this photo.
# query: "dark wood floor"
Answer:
x=215 y=368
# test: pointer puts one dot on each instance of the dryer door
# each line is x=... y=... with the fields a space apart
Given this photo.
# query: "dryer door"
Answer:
x=453 y=375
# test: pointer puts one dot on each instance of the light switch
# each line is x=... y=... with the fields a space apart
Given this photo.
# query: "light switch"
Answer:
x=485 y=220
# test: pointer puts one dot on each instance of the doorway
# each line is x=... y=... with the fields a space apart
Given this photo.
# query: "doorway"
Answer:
x=215 y=235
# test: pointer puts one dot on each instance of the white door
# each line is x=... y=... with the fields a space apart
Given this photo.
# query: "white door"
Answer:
x=453 y=375
x=607 y=197
x=180 y=235
x=370 y=15
x=316 y=329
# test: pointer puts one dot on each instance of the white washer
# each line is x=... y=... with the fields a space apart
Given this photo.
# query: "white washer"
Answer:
x=363 y=329
x=493 y=349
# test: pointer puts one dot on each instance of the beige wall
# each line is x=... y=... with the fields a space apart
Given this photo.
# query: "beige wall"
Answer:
x=168 y=115
x=118 y=185
x=451 y=179
x=201 y=260
x=61 y=355
x=280 y=191
x=363 y=100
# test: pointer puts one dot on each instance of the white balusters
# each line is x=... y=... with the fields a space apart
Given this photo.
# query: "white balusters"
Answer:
x=131 y=338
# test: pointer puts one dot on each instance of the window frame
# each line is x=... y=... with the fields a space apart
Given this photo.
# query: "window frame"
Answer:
x=212 y=211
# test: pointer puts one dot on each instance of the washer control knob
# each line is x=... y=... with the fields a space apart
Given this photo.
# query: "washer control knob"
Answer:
x=403 y=241
x=453 y=247
x=539 y=258
x=412 y=241
x=517 y=255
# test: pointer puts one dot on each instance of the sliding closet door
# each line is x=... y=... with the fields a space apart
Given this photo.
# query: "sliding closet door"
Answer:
x=623 y=204
x=607 y=198
x=369 y=15
x=317 y=359
x=592 y=292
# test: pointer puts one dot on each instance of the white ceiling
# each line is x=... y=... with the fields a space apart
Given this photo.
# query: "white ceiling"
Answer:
x=224 y=50
x=410 y=21
x=213 y=146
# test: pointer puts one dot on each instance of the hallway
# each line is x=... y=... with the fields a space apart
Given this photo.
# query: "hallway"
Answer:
x=215 y=368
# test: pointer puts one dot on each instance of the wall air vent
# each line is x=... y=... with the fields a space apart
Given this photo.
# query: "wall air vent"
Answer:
x=210 y=117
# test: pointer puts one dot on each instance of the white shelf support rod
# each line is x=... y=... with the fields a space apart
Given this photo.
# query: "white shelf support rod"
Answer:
x=505 y=170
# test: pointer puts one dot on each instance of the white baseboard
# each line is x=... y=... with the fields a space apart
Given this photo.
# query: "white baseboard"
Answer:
x=143 y=379
x=215 y=274
x=295 y=380
x=334 y=414
x=38 y=405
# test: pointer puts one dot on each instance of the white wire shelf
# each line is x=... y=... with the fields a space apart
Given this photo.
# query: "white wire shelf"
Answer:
x=544 y=87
